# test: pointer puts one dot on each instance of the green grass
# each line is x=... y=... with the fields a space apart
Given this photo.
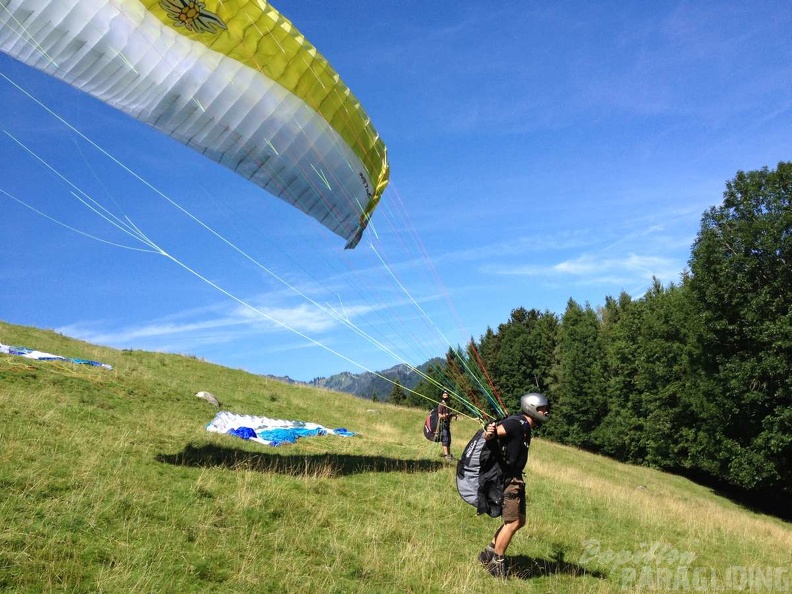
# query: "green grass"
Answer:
x=110 y=483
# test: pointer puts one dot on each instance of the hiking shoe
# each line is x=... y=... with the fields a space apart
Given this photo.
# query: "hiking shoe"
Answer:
x=486 y=555
x=450 y=458
x=497 y=567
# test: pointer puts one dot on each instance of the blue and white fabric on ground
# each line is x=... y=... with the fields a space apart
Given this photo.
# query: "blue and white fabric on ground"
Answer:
x=41 y=356
x=266 y=431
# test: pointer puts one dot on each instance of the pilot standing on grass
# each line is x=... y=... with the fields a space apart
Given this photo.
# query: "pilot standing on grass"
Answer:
x=514 y=439
x=444 y=416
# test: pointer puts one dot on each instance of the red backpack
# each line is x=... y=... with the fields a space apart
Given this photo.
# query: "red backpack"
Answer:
x=432 y=426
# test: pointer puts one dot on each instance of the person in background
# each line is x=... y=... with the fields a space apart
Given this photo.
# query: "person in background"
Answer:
x=444 y=416
x=514 y=439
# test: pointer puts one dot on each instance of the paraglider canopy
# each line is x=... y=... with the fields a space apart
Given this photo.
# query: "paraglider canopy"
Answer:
x=233 y=79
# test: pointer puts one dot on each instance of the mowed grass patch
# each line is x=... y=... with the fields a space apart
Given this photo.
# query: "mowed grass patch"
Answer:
x=112 y=484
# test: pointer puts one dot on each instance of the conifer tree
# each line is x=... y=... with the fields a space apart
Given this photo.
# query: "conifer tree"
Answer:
x=579 y=391
x=397 y=395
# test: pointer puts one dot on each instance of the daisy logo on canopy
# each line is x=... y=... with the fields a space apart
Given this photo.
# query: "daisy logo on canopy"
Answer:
x=192 y=15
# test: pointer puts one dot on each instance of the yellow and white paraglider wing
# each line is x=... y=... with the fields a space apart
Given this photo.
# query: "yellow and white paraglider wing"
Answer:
x=232 y=79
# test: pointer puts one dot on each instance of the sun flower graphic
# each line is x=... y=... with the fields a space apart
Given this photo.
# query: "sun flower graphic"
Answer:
x=192 y=15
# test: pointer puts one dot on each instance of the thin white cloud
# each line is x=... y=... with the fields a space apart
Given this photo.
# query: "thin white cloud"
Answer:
x=227 y=322
x=594 y=269
x=304 y=317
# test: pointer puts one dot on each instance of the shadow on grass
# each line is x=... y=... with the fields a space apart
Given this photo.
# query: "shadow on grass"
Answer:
x=526 y=568
x=320 y=465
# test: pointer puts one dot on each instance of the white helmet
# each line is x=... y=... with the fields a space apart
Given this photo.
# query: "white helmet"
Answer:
x=529 y=404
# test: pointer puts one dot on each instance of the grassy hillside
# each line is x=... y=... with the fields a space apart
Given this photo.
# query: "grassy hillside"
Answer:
x=111 y=484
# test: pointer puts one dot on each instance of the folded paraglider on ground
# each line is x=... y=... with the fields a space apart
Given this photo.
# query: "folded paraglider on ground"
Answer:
x=42 y=356
x=266 y=431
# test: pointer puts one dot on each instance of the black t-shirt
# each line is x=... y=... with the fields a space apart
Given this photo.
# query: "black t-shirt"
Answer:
x=514 y=445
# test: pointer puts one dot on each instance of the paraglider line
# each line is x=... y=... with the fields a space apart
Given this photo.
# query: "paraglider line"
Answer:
x=322 y=176
x=70 y=228
x=29 y=38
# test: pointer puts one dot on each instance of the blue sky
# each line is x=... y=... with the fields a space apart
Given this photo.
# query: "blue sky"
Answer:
x=538 y=153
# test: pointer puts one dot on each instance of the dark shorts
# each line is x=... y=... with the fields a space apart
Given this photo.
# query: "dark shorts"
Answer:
x=445 y=437
x=514 y=501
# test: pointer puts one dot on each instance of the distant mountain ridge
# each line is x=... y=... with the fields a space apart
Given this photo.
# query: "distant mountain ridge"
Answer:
x=367 y=384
